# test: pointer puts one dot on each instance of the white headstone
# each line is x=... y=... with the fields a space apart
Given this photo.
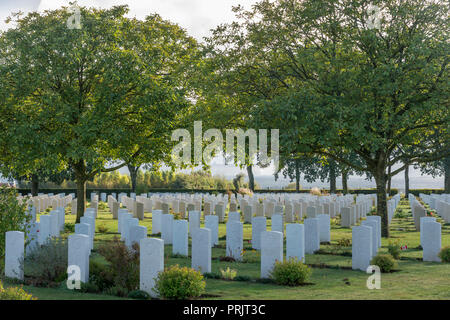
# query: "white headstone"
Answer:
x=180 y=237
x=312 y=235
x=324 y=227
x=136 y=234
x=235 y=239
x=151 y=263
x=167 y=228
x=14 y=253
x=78 y=254
x=201 y=250
x=271 y=251
x=295 y=241
x=431 y=241
x=212 y=223
x=278 y=223
x=156 y=221
x=194 y=221
x=361 y=247
x=259 y=224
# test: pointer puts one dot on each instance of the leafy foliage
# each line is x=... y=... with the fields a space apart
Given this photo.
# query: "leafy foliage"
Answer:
x=14 y=293
x=177 y=282
x=290 y=273
x=444 y=254
x=385 y=262
x=13 y=216
x=46 y=265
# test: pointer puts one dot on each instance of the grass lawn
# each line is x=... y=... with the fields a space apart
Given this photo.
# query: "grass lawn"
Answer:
x=332 y=277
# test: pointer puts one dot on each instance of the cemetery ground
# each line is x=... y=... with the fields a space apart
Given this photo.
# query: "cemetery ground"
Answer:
x=331 y=278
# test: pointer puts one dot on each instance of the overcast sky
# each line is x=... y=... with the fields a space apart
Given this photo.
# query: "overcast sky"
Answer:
x=198 y=17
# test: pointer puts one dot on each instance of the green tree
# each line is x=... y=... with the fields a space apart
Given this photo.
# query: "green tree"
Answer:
x=94 y=98
x=335 y=83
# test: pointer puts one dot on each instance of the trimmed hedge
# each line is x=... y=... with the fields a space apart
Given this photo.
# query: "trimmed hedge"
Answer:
x=25 y=191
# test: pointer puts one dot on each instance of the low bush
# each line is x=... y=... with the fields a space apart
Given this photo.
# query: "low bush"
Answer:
x=69 y=227
x=444 y=254
x=290 y=273
x=385 y=262
x=394 y=249
x=102 y=228
x=14 y=293
x=46 y=265
x=139 y=294
x=228 y=274
x=123 y=266
x=178 y=282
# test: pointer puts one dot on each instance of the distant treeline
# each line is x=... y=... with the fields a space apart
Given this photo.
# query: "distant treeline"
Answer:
x=148 y=180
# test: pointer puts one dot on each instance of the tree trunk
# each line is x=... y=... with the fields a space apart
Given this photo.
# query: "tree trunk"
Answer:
x=389 y=180
x=297 y=177
x=447 y=175
x=34 y=185
x=251 y=178
x=80 y=179
x=345 y=182
x=407 y=181
x=381 y=180
x=332 y=178
x=133 y=176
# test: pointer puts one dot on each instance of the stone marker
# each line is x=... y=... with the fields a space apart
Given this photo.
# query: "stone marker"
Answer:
x=235 y=239
x=372 y=224
x=247 y=214
x=54 y=223
x=165 y=208
x=44 y=229
x=139 y=210
x=346 y=217
x=115 y=210
x=136 y=234
x=151 y=263
x=180 y=237
x=259 y=224
x=361 y=247
x=271 y=251
x=295 y=241
x=85 y=228
x=194 y=221
x=14 y=253
x=324 y=227
x=312 y=235
x=212 y=223
x=78 y=254
x=431 y=241
x=277 y=223
x=201 y=250
x=167 y=228
x=156 y=221
x=422 y=220
x=377 y=219
x=234 y=216
x=310 y=212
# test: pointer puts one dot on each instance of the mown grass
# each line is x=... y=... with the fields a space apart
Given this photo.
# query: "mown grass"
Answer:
x=332 y=277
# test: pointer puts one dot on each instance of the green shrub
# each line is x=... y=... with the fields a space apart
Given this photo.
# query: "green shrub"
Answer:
x=242 y=278
x=46 y=265
x=228 y=274
x=14 y=293
x=344 y=242
x=138 y=294
x=385 y=262
x=178 y=282
x=211 y=275
x=117 y=291
x=69 y=227
x=123 y=265
x=290 y=273
x=89 y=287
x=394 y=249
x=102 y=228
x=444 y=254
x=13 y=216
x=100 y=275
